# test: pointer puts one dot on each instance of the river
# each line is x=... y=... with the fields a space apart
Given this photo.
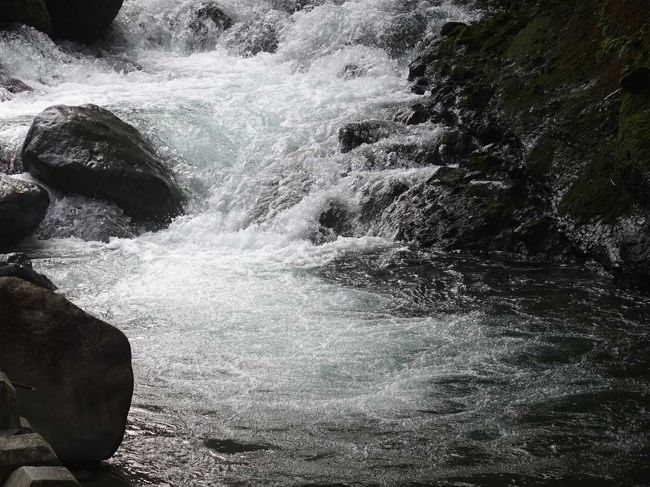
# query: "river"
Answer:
x=267 y=353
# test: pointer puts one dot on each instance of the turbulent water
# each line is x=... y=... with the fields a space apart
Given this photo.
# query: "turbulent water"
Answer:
x=268 y=351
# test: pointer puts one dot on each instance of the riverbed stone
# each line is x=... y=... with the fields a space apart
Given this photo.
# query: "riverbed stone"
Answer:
x=22 y=207
x=42 y=477
x=79 y=367
x=82 y=20
x=89 y=151
x=19 y=450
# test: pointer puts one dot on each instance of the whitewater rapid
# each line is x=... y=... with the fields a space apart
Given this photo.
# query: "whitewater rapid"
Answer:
x=326 y=361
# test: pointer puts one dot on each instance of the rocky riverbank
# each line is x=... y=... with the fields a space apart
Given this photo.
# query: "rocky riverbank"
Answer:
x=72 y=372
x=546 y=115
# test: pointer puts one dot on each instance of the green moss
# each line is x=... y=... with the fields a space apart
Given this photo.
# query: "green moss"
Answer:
x=531 y=41
x=633 y=140
x=599 y=194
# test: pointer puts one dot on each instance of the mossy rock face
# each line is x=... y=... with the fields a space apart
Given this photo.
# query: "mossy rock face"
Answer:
x=566 y=82
x=29 y=12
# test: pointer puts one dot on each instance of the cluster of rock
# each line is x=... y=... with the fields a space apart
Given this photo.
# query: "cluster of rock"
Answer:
x=89 y=151
x=73 y=377
x=545 y=146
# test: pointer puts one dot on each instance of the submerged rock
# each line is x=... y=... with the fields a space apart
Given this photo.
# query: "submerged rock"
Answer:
x=22 y=207
x=83 y=20
x=29 y=12
x=260 y=34
x=207 y=23
x=334 y=221
x=20 y=266
x=355 y=134
x=89 y=151
x=87 y=219
x=12 y=86
x=79 y=367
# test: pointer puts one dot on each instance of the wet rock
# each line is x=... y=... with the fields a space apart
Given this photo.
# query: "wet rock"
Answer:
x=19 y=450
x=377 y=196
x=417 y=69
x=75 y=216
x=10 y=87
x=402 y=33
x=207 y=23
x=42 y=477
x=489 y=133
x=355 y=134
x=452 y=28
x=334 y=221
x=29 y=12
x=82 y=20
x=413 y=115
x=393 y=155
x=9 y=418
x=22 y=207
x=79 y=366
x=421 y=86
x=455 y=146
x=636 y=80
x=448 y=212
x=257 y=35
x=20 y=266
x=87 y=150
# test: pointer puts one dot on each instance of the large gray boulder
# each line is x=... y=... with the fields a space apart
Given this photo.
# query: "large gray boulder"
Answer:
x=22 y=207
x=87 y=150
x=79 y=367
x=83 y=20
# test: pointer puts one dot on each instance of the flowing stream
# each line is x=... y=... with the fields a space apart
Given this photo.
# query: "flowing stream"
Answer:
x=268 y=353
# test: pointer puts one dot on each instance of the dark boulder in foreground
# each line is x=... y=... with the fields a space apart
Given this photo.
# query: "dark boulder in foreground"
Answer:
x=22 y=207
x=20 y=266
x=83 y=20
x=87 y=150
x=79 y=366
x=29 y=12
